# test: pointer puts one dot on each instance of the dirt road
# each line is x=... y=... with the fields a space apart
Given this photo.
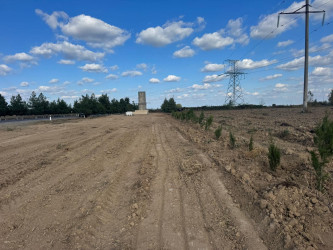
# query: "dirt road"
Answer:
x=115 y=183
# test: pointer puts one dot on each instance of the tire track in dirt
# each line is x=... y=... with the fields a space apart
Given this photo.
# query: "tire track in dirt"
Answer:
x=226 y=204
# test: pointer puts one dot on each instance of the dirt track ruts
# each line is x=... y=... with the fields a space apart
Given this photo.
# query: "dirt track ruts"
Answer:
x=114 y=182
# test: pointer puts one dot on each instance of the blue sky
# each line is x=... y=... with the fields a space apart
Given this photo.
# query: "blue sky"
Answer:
x=179 y=49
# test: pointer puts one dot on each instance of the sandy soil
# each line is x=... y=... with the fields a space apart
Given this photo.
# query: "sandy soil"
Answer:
x=153 y=182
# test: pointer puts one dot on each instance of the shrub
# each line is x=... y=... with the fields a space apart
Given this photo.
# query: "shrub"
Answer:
x=201 y=118
x=251 y=144
x=190 y=115
x=324 y=143
x=218 y=132
x=274 y=156
x=284 y=133
x=209 y=122
x=232 y=140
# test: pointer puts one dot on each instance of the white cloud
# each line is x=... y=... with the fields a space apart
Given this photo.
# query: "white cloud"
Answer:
x=131 y=73
x=95 y=32
x=234 y=29
x=85 y=80
x=24 y=84
x=54 y=80
x=270 y=77
x=205 y=86
x=94 y=67
x=172 y=78
x=184 y=52
x=69 y=97
x=323 y=5
x=250 y=64
x=212 y=67
x=154 y=80
x=67 y=62
x=280 y=85
x=176 y=90
x=153 y=70
x=68 y=50
x=114 y=67
x=52 y=20
x=266 y=27
x=24 y=57
x=109 y=90
x=212 y=41
x=142 y=66
x=321 y=71
x=214 y=78
x=66 y=83
x=160 y=36
x=285 y=43
x=112 y=77
x=4 y=69
x=315 y=61
x=327 y=39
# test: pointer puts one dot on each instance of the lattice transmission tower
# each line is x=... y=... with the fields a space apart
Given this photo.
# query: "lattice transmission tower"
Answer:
x=234 y=94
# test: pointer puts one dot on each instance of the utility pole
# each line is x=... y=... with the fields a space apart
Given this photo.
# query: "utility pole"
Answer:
x=234 y=84
x=306 y=48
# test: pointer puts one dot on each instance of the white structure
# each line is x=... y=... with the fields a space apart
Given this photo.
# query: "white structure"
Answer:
x=129 y=113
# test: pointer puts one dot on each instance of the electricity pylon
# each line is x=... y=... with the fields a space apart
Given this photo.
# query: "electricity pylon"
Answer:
x=306 y=53
x=234 y=92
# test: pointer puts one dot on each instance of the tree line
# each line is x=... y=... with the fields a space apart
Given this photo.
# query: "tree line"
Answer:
x=89 y=105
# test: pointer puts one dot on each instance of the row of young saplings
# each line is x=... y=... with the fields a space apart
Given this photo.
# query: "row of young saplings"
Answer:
x=323 y=141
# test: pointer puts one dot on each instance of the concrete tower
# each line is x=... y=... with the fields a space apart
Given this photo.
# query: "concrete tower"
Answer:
x=142 y=100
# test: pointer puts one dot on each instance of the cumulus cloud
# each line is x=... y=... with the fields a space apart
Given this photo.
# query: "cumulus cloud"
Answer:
x=321 y=71
x=270 y=77
x=280 y=85
x=315 y=61
x=54 y=80
x=85 y=80
x=24 y=84
x=285 y=43
x=327 y=39
x=154 y=80
x=266 y=28
x=212 y=41
x=94 y=67
x=52 y=20
x=184 y=52
x=212 y=67
x=4 y=69
x=95 y=32
x=205 y=86
x=68 y=50
x=112 y=77
x=235 y=30
x=176 y=90
x=23 y=57
x=67 y=62
x=250 y=64
x=172 y=78
x=160 y=36
x=142 y=66
x=109 y=90
x=114 y=67
x=131 y=73
x=214 y=78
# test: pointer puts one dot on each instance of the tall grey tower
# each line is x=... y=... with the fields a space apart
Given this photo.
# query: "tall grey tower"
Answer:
x=142 y=100
x=234 y=93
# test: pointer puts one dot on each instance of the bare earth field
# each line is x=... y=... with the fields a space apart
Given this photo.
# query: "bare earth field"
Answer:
x=153 y=182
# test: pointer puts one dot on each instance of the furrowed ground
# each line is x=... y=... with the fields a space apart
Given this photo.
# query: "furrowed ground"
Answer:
x=153 y=182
